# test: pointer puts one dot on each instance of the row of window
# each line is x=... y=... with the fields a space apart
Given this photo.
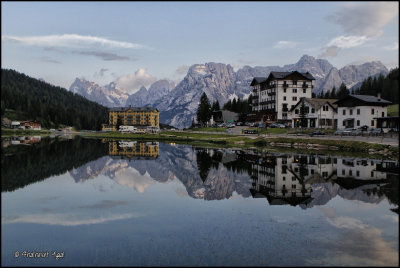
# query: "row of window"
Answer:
x=359 y=112
x=357 y=173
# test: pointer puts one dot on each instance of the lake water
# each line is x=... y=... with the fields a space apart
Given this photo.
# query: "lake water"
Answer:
x=85 y=202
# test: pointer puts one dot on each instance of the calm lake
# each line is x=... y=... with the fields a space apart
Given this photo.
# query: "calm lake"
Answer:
x=88 y=202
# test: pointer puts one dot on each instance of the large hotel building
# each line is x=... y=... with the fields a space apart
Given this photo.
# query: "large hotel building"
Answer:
x=140 y=117
x=274 y=96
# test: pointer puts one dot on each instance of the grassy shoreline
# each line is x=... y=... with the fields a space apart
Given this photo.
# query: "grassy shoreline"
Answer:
x=243 y=142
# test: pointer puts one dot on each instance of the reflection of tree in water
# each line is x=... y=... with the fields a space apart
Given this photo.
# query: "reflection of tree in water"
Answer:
x=390 y=190
x=204 y=163
x=23 y=165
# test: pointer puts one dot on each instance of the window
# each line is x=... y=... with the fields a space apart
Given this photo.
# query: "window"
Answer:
x=358 y=111
x=325 y=108
x=283 y=178
x=294 y=82
x=351 y=111
x=295 y=90
x=372 y=123
x=350 y=172
x=284 y=90
x=358 y=173
x=293 y=186
x=343 y=172
x=358 y=123
x=312 y=110
x=383 y=114
x=284 y=97
x=304 y=90
x=294 y=98
x=372 y=111
x=296 y=111
x=344 y=112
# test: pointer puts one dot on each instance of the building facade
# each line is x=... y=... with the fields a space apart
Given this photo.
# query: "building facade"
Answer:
x=360 y=110
x=140 y=117
x=274 y=96
x=318 y=113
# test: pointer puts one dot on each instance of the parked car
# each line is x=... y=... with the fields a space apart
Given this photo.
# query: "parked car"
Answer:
x=376 y=131
x=363 y=128
x=239 y=123
x=338 y=132
x=230 y=125
x=356 y=132
x=317 y=133
x=347 y=131
x=276 y=125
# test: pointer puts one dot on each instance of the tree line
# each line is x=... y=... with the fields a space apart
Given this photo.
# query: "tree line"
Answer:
x=387 y=85
x=50 y=105
x=205 y=109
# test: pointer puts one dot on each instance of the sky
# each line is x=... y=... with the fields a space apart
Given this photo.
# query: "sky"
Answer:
x=137 y=43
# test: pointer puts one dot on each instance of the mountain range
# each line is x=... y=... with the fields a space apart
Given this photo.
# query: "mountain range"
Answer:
x=178 y=103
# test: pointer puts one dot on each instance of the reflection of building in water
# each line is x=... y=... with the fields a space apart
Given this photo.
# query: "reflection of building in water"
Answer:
x=353 y=172
x=27 y=140
x=287 y=179
x=282 y=179
x=134 y=149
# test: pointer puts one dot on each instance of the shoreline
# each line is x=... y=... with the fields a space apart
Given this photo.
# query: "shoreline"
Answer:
x=304 y=143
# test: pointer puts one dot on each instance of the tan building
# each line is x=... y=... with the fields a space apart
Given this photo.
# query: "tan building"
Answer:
x=140 y=117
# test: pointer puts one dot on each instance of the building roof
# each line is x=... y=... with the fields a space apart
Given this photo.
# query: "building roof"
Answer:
x=365 y=99
x=282 y=75
x=317 y=103
x=135 y=109
x=257 y=80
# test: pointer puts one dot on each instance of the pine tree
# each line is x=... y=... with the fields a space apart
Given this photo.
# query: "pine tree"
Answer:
x=204 y=112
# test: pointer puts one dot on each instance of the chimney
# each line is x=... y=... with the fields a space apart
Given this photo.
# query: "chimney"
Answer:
x=379 y=96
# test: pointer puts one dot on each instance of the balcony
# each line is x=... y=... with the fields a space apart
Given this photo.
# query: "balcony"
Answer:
x=304 y=86
x=285 y=85
x=285 y=109
x=271 y=93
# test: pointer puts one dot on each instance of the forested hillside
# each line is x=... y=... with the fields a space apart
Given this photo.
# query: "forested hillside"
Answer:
x=387 y=85
x=50 y=105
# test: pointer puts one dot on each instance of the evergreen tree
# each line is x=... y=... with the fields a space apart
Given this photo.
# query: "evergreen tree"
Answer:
x=303 y=119
x=204 y=112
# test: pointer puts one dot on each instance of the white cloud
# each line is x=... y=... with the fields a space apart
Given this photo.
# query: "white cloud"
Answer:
x=133 y=82
x=395 y=46
x=69 y=40
x=347 y=41
x=285 y=44
x=65 y=219
x=366 y=18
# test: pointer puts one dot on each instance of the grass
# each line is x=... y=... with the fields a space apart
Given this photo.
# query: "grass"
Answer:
x=238 y=141
x=209 y=129
x=393 y=110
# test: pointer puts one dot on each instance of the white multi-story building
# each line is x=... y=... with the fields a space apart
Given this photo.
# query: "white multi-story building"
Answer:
x=274 y=96
x=360 y=110
x=319 y=113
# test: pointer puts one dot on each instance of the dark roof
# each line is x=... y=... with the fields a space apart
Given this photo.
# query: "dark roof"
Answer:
x=368 y=99
x=258 y=80
x=282 y=75
x=135 y=109
x=317 y=103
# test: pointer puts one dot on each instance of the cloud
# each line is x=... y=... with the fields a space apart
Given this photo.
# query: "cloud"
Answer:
x=64 y=219
x=331 y=51
x=366 y=19
x=347 y=41
x=70 y=40
x=100 y=73
x=103 y=55
x=133 y=82
x=105 y=204
x=285 y=44
x=333 y=47
x=50 y=60
x=395 y=46
x=182 y=70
